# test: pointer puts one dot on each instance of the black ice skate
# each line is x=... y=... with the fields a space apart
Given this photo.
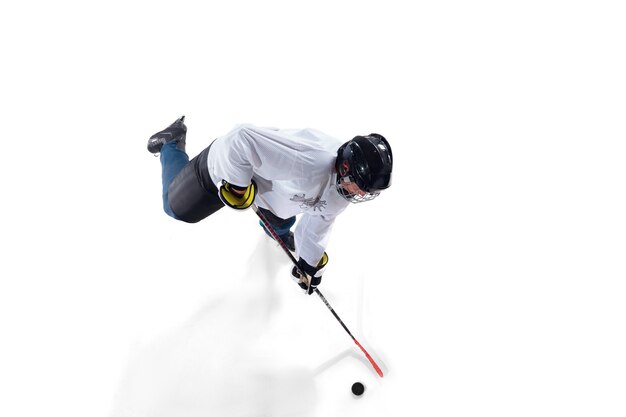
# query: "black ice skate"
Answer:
x=289 y=241
x=176 y=132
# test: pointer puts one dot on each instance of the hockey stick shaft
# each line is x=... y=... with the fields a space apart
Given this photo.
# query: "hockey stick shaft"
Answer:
x=272 y=232
x=367 y=355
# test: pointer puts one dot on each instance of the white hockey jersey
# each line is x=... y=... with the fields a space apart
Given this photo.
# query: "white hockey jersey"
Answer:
x=294 y=172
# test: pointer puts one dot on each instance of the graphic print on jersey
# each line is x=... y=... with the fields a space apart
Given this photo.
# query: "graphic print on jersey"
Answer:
x=307 y=203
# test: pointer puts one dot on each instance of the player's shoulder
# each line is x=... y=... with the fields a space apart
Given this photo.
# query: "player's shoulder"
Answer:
x=315 y=138
x=306 y=132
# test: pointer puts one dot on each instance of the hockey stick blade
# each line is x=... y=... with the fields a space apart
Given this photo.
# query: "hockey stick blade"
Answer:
x=369 y=358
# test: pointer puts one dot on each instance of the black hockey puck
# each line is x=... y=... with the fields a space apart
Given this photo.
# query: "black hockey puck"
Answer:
x=358 y=388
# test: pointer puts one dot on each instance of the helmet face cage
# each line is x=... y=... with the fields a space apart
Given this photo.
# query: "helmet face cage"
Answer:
x=353 y=197
x=345 y=179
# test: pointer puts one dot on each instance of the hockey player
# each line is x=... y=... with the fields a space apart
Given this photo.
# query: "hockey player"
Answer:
x=285 y=172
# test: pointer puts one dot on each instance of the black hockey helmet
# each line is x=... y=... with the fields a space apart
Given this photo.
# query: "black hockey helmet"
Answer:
x=367 y=162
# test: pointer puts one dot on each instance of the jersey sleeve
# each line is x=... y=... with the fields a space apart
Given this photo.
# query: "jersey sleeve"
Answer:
x=312 y=234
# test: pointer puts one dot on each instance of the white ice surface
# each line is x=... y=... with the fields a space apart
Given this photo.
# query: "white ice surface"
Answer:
x=488 y=281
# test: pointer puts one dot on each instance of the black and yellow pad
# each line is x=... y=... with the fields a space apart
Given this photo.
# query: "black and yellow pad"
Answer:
x=233 y=200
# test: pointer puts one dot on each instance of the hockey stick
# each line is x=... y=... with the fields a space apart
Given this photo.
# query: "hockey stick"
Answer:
x=270 y=229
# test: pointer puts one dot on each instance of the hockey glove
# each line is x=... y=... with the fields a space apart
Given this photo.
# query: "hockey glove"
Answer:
x=309 y=277
x=237 y=197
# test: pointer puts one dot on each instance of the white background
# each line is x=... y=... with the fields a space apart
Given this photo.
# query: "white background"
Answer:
x=489 y=280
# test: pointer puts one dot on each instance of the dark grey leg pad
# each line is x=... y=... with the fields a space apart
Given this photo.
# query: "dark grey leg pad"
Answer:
x=192 y=194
